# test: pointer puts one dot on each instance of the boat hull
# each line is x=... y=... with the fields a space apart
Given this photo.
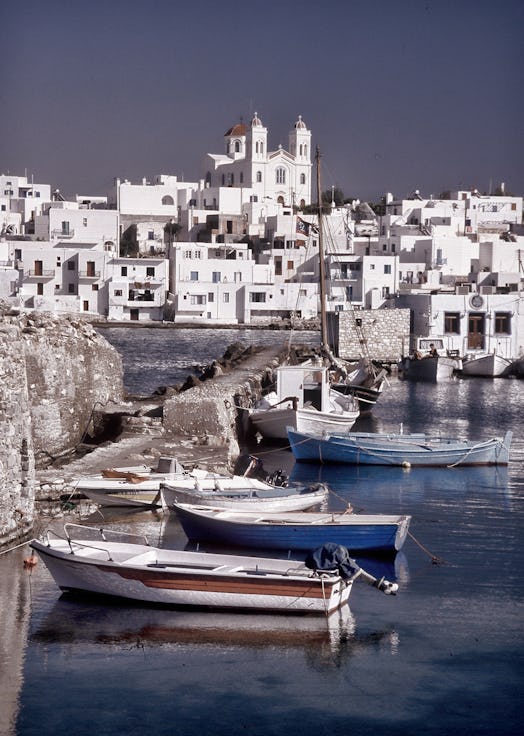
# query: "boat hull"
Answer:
x=428 y=369
x=368 y=449
x=278 y=499
x=177 y=578
x=272 y=423
x=488 y=366
x=364 y=533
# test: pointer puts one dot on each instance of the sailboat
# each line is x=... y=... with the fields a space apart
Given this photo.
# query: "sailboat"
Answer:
x=304 y=398
x=364 y=382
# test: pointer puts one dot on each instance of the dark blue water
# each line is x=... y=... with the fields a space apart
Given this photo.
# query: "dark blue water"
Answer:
x=156 y=357
x=445 y=656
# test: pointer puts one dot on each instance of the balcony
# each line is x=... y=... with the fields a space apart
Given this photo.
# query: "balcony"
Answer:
x=39 y=274
x=63 y=234
x=89 y=274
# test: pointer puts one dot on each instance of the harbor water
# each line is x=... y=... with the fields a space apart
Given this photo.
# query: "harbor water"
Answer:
x=444 y=656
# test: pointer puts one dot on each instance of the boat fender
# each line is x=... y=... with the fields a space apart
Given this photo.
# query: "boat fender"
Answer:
x=30 y=561
x=406 y=464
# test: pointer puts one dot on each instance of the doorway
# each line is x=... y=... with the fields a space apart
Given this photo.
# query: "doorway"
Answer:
x=476 y=331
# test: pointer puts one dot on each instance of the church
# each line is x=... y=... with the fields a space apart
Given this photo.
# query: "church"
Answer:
x=281 y=176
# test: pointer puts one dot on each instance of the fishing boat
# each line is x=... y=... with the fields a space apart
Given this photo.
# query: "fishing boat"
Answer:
x=377 y=533
x=139 y=487
x=240 y=492
x=362 y=448
x=153 y=575
x=488 y=365
x=304 y=400
x=134 y=486
x=430 y=362
x=364 y=383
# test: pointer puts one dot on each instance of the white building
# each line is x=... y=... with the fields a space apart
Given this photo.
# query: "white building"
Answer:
x=20 y=202
x=277 y=176
x=136 y=289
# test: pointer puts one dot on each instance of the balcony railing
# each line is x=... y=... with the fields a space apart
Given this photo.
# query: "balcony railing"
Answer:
x=63 y=234
x=40 y=274
x=89 y=274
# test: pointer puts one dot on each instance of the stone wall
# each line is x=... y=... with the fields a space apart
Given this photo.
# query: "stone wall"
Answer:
x=54 y=372
x=385 y=331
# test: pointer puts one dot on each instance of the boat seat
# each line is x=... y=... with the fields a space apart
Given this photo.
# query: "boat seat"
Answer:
x=144 y=558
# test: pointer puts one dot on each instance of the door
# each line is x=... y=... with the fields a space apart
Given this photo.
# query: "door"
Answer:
x=133 y=315
x=476 y=331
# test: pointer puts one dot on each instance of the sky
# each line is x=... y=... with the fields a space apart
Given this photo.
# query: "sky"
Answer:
x=413 y=94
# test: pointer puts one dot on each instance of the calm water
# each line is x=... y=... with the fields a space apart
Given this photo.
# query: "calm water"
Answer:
x=445 y=656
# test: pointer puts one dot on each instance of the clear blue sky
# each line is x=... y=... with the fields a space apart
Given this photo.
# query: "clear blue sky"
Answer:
x=402 y=95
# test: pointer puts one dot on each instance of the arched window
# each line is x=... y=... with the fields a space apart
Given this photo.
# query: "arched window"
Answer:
x=302 y=178
x=280 y=175
x=280 y=200
x=237 y=146
x=300 y=149
x=259 y=177
x=168 y=199
x=305 y=149
x=256 y=147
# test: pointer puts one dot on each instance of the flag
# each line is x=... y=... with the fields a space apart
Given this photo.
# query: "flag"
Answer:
x=303 y=227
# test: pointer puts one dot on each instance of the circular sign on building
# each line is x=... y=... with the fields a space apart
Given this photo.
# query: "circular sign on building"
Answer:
x=476 y=301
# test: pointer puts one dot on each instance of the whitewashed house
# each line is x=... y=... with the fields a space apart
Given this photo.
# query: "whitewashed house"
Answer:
x=136 y=289
x=21 y=201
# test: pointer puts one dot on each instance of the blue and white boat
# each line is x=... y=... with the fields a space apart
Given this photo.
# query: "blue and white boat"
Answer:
x=376 y=533
x=363 y=448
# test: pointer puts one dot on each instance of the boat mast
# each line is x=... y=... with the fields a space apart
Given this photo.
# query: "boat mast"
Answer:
x=322 y=273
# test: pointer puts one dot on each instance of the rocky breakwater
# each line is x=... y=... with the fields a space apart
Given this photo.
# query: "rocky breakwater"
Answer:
x=54 y=372
x=214 y=411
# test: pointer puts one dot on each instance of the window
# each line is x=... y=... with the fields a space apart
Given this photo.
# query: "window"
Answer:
x=259 y=177
x=70 y=288
x=4 y=208
x=385 y=247
x=210 y=297
x=393 y=247
x=280 y=175
x=150 y=234
x=502 y=323
x=278 y=266
x=94 y=287
x=40 y=289
x=187 y=254
x=118 y=292
x=90 y=269
x=216 y=277
x=198 y=254
x=241 y=177
x=257 y=296
x=223 y=179
x=290 y=265
x=452 y=323
x=387 y=268
x=225 y=298
x=84 y=221
x=385 y=292
x=65 y=228
x=198 y=299
x=302 y=178
x=237 y=146
x=123 y=271
x=194 y=276
x=371 y=266
x=150 y=271
x=354 y=266
x=70 y=265
x=167 y=200
x=302 y=292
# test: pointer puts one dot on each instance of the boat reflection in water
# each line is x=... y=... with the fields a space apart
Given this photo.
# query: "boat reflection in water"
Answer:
x=365 y=484
x=82 y=620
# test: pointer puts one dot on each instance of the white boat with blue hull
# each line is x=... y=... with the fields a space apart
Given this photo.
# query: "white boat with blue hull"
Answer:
x=374 y=533
x=361 y=448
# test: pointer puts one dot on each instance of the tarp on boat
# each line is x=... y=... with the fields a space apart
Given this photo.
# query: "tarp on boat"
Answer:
x=331 y=557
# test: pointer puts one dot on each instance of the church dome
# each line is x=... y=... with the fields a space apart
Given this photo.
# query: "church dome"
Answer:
x=238 y=129
x=256 y=122
x=300 y=123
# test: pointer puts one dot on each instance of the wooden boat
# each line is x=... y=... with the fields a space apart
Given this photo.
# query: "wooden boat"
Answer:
x=427 y=367
x=364 y=384
x=136 y=486
x=179 y=578
x=361 y=448
x=294 y=531
x=244 y=493
x=489 y=365
x=304 y=400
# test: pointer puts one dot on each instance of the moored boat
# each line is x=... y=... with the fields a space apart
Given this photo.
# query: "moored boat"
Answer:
x=377 y=533
x=179 y=578
x=240 y=492
x=489 y=365
x=361 y=448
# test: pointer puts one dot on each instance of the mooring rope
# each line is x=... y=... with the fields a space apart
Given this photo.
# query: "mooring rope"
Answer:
x=434 y=559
